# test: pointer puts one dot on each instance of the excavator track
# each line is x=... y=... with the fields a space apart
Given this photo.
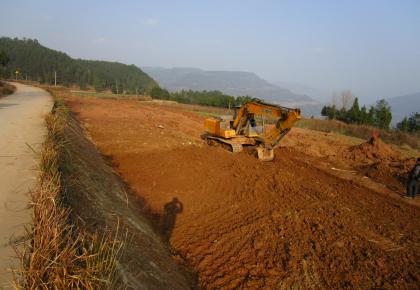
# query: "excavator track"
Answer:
x=227 y=144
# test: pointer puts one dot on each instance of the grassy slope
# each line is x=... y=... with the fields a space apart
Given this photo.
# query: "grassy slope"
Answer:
x=61 y=254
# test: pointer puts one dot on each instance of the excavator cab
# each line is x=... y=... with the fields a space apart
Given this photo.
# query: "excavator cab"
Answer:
x=244 y=130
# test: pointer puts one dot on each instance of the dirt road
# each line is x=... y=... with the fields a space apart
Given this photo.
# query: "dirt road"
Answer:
x=21 y=131
x=244 y=224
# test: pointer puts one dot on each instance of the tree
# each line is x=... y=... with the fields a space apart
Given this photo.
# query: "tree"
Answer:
x=353 y=114
x=363 y=115
x=159 y=93
x=329 y=111
x=82 y=84
x=4 y=60
x=410 y=124
x=383 y=115
x=403 y=125
x=371 y=116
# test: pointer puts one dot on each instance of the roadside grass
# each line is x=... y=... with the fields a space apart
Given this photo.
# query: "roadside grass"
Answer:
x=60 y=254
x=408 y=142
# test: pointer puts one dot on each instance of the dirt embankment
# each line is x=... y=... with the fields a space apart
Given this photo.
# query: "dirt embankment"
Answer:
x=246 y=224
x=100 y=200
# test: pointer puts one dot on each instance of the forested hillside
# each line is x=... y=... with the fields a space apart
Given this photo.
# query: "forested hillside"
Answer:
x=206 y=98
x=39 y=63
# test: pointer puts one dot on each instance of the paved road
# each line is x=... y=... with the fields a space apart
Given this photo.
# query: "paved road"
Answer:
x=21 y=124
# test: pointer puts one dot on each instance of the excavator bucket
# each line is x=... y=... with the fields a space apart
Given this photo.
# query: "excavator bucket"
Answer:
x=265 y=154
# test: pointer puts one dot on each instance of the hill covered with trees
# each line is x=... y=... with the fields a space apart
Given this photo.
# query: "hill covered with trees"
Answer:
x=36 y=62
x=206 y=98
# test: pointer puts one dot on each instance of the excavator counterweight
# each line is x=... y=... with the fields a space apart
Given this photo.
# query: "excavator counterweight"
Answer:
x=242 y=129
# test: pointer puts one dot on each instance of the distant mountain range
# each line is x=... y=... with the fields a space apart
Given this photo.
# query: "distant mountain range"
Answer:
x=403 y=106
x=236 y=83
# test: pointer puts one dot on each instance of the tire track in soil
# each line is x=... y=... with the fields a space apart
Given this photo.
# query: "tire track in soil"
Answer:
x=252 y=225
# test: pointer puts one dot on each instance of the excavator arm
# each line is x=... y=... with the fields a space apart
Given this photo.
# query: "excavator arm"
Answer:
x=285 y=118
x=272 y=138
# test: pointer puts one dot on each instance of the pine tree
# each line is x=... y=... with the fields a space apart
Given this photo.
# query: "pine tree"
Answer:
x=410 y=124
x=4 y=60
x=370 y=120
x=383 y=115
x=363 y=115
x=403 y=125
x=354 y=112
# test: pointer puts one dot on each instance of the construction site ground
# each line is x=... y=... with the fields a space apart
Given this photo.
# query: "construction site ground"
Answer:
x=327 y=213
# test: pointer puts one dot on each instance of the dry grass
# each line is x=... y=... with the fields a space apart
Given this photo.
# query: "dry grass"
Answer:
x=61 y=254
x=361 y=131
x=6 y=89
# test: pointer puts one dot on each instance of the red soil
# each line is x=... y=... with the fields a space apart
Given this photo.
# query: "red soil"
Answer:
x=241 y=223
x=370 y=152
x=380 y=162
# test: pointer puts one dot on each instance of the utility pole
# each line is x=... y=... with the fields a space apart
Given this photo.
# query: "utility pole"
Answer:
x=55 y=78
x=116 y=84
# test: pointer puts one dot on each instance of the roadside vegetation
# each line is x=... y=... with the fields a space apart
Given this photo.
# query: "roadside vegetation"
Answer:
x=60 y=254
x=6 y=89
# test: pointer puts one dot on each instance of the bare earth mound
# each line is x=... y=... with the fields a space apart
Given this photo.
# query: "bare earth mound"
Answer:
x=242 y=223
x=380 y=162
x=371 y=152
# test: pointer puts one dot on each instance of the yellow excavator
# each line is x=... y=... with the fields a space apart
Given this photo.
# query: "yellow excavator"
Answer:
x=243 y=129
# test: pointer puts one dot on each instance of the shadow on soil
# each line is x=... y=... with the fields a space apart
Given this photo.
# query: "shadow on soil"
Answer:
x=171 y=209
x=162 y=223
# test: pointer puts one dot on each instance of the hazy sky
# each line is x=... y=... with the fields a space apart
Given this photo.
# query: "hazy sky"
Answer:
x=371 y=47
